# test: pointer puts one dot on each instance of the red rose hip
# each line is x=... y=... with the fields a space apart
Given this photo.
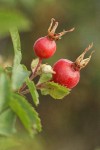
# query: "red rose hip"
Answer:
x=68 y=72
x=45 y=47
x=65 y=75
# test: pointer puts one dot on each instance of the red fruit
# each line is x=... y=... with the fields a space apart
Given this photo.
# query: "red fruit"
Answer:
x=45 y=47
x=68 y=72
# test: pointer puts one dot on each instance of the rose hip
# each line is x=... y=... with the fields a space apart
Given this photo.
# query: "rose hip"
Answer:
x=68 y=72
x=45 y=47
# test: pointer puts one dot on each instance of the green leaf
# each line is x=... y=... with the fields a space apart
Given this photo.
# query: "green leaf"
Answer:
x=4 y=91
x=26 y=113
x=20 y=74
x=33 y=91
x=7 y=122
x=34 y=63
x=12 y=18
x=55 y=90
x=45 y=91
x=17 y=46
x=45 y=77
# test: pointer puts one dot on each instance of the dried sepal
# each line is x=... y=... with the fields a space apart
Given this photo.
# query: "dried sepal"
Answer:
x=80 y=61
x=52 y=29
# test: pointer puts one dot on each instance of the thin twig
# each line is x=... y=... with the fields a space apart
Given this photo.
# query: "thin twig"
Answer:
x=25 y=92
x=34 y=74
x=36 y=69
x=38 y=86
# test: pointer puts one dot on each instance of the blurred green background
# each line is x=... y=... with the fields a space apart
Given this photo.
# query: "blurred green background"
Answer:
x=74 y=122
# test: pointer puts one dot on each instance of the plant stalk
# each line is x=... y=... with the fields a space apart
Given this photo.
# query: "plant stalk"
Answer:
x=34 y=74
x=38 y=86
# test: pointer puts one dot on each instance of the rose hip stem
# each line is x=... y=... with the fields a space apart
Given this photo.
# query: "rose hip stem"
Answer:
x=36 y=69
x=32 y=76
x=38 y=86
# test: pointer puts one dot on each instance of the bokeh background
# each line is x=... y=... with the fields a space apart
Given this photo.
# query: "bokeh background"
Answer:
x=74 y=122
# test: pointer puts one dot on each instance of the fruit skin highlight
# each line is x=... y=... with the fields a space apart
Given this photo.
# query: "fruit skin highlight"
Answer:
x=67 y=73
x=45 y=47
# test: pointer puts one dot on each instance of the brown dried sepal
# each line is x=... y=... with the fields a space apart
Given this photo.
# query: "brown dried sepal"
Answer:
x=52 y=28
x=80 y=61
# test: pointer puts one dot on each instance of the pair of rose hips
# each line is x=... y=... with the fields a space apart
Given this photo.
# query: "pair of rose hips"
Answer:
x=67 y=73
